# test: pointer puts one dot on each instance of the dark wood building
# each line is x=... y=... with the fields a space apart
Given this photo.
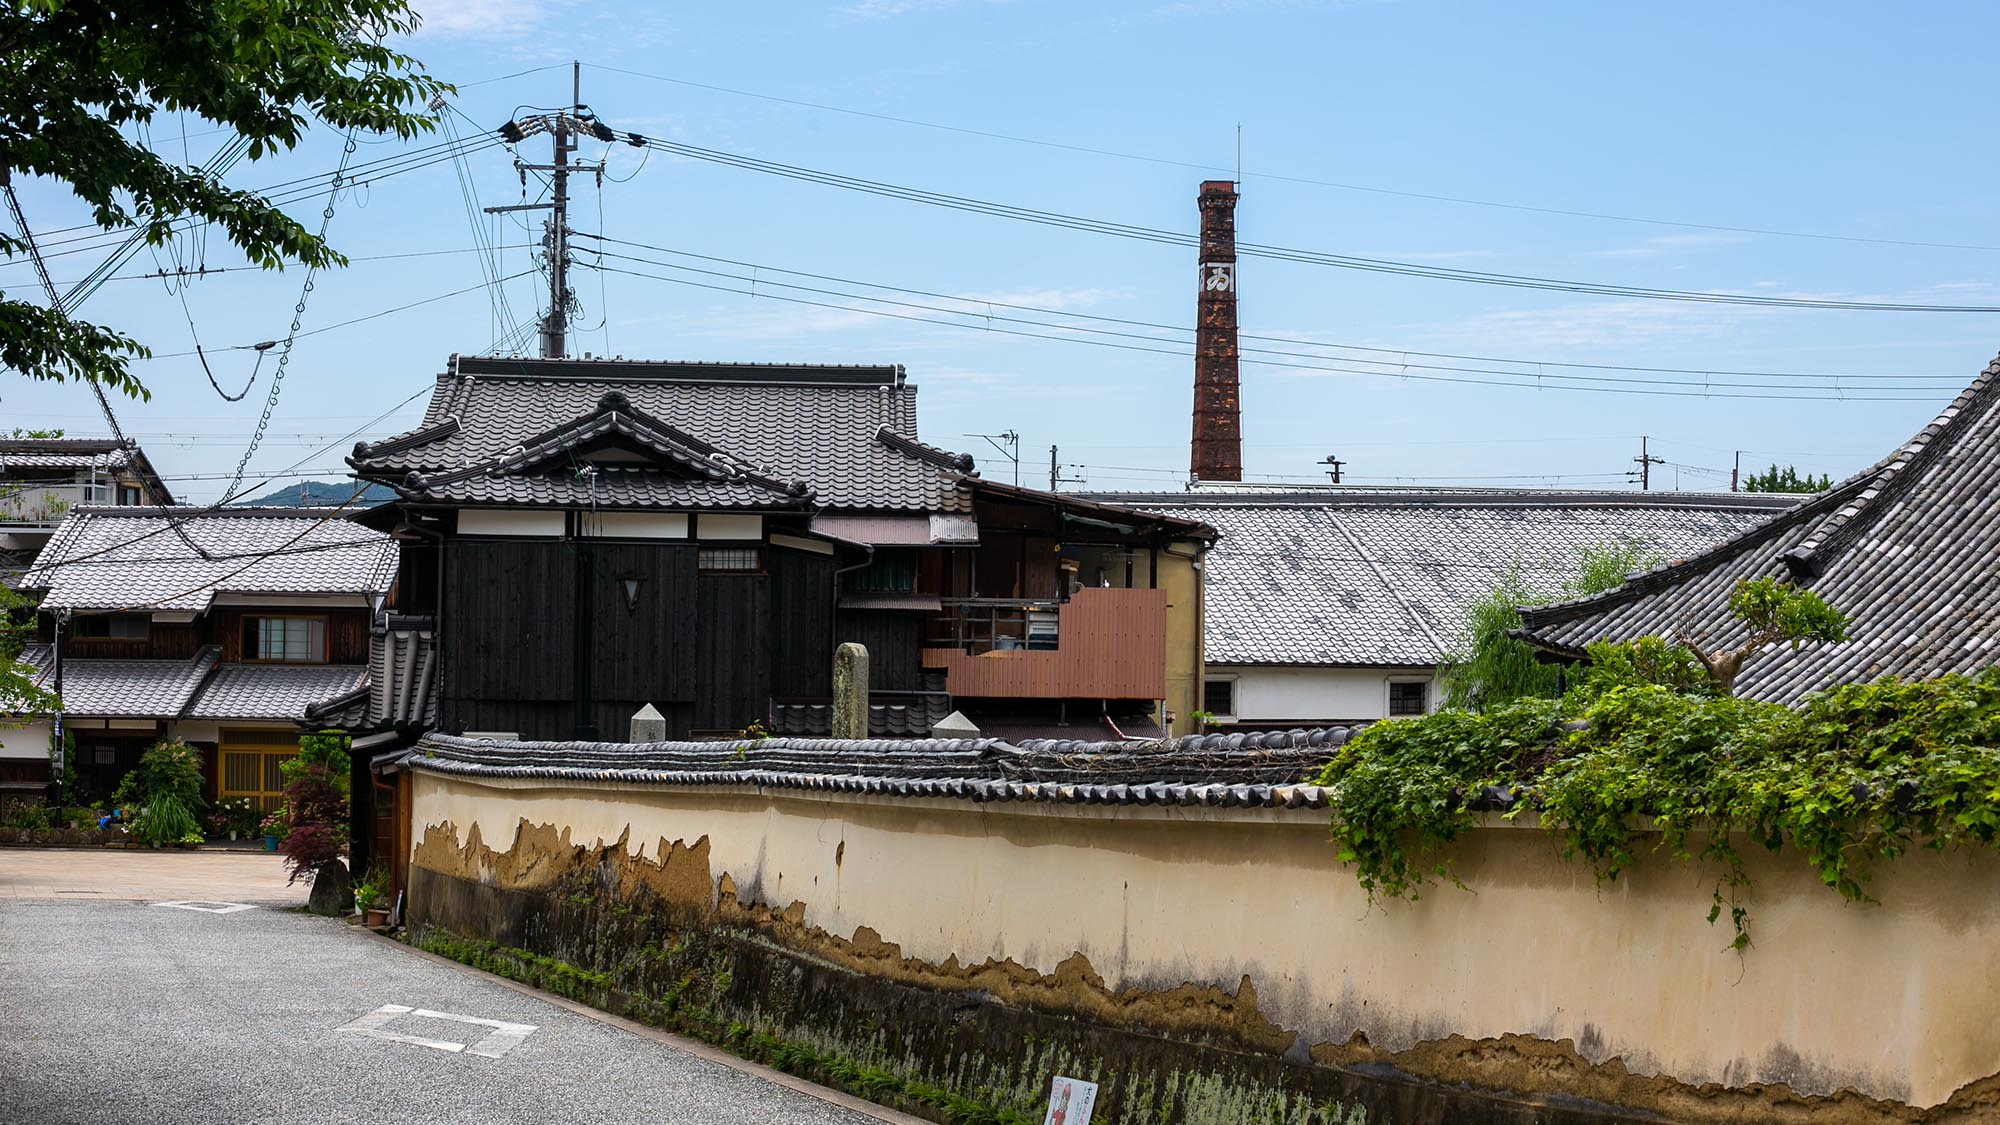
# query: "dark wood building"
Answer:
x=588 y=537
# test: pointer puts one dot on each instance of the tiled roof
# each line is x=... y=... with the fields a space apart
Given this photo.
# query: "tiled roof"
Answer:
x=64 y=453
x=820 y=425
x=1388 y=576
x=399 y=689
x=1909 y=549
x=1236 y=770
x=124 y=689
x=890 y=714
x=268 y=691
x=134 y=558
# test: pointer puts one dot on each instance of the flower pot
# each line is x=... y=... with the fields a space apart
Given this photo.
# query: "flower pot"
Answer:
x=270 y=843
x=375 y=917
x=232 y=835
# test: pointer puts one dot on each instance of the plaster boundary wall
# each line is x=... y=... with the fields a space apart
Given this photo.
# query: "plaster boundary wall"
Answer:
x=1885 y=1008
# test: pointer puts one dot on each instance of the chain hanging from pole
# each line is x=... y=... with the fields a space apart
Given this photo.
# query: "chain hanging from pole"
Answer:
x=298 y=318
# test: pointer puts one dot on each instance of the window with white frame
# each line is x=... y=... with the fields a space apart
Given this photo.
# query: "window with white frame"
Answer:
x=731 y=560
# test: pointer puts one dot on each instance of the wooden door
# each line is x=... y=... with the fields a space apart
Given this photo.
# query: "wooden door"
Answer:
x=250 y=765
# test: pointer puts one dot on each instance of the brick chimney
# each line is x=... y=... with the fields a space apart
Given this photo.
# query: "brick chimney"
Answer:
x=1217 y=451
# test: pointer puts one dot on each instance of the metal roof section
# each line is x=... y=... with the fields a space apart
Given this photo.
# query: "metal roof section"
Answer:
x=1229 y=771
x=1907 y=549
x=180 y=559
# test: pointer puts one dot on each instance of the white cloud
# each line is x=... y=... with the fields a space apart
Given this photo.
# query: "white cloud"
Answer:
x=481 y=19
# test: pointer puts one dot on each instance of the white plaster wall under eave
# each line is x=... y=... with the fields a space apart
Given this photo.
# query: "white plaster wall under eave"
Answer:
x=1315 y=695
x=29 y=741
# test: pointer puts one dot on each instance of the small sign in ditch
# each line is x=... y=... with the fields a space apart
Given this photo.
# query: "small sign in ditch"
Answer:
x=1070 y=1101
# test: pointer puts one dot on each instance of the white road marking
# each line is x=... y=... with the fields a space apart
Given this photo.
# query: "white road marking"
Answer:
x=201 y=906
x=503 y=1038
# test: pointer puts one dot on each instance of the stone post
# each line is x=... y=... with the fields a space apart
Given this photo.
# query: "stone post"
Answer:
x=648 y=725
x=850 y=691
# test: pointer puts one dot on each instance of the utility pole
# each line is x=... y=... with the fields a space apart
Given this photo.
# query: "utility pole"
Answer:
x=1736 y=474
x=564 y=128
x=554 y=335
x=1056 y=479
x=56 y=747
x=1334 y=464
x=1646 y=462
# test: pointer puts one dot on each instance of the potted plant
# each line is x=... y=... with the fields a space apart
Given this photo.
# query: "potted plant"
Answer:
x=166 y=788
x=371 y=895
x=275 y=826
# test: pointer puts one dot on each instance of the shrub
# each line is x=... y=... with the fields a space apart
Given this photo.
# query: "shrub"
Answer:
x=165 y=787
x=1854 y=776
x=318 y=811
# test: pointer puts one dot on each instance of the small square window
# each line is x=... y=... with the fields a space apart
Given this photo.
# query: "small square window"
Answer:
x=1408 y=697
x=1218 y=697
x=731 y=560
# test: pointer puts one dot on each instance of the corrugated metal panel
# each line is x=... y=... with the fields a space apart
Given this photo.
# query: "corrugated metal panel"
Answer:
x=1112 y=646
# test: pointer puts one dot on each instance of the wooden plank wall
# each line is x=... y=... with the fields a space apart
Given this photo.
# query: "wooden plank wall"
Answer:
x=893 y=640
x=1112 y=646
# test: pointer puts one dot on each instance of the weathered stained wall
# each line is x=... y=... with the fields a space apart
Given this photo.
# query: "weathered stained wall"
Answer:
x=1239 y=926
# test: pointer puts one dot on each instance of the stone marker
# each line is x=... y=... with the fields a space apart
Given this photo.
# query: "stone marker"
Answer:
x=955 y=725
x=648 y=725
x=850 y=691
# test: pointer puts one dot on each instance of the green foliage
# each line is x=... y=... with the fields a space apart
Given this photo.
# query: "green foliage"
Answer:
x=1773 y=612
x=1492 y=668
x=1623 y=765
x=328 y=749
x=83 y=80
x=165 y=789
x=1787 y=480
x=1783 y=612
x=19 y=694
x=371 y=891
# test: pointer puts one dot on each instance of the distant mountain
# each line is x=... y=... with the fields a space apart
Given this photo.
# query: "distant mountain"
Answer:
x=320 y=494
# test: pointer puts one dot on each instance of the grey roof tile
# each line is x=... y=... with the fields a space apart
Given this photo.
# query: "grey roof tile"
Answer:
x=124 y=689
x=64 y=453
x=1388 y=577
x=399 y=688
x=132 y=558
x=1908 y=549
x=269 y=691
x=821 y=425
x=1197 y=770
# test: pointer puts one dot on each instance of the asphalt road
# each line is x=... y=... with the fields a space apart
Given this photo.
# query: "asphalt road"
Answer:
x=130 y=1012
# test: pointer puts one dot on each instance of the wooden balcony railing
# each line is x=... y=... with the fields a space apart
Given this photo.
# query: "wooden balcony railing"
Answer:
x=1104 y=644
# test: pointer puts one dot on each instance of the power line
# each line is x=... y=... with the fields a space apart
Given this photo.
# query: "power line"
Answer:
x=1704 y=394
x=1240 y=173
x=1524 y=367
x=984 y=322
x=1291 y=254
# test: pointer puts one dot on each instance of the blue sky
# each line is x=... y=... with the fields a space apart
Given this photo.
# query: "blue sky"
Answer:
x=1844 y=120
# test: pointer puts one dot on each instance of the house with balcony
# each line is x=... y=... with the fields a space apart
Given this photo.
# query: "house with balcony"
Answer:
x=43 y=479
x=583 y=538
x=217 y=627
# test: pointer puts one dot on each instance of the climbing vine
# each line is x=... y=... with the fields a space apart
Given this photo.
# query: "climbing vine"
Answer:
x=1644 y=755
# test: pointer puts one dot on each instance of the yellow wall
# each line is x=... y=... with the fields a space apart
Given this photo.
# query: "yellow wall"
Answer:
x=1182 y=583
x=1893 y=1000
